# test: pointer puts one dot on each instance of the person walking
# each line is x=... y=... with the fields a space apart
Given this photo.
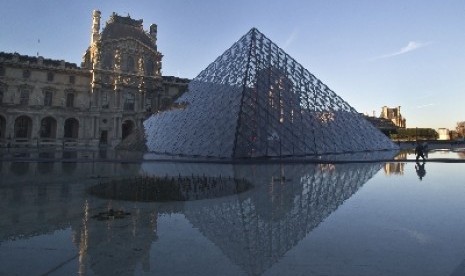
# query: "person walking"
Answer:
x=419 y=152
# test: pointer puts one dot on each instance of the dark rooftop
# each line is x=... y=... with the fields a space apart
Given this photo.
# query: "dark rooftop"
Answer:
x=118 y=27
x=32 y=60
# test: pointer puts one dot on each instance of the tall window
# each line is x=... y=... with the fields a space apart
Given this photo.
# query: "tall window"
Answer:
x=24 y=96
x=50 y=76
x=149 y=67
x=2 y=126
x=48 y=96
x=130 y=64
x=148 y=99
x=70 y=100
x=2 y=91
x=2 y=70
x=105 y=101
x=129 y=101
x=48 y=128
x=71 y=128
x=107 y=79
x=72 y=79
x=108 y=60
x=23 y=127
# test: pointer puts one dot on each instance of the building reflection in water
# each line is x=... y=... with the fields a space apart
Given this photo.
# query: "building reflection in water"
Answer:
x=461 y=153
x=253 y=229
x=396 y=168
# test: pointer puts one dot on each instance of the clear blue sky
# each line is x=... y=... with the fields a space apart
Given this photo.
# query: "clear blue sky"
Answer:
x=408 y=53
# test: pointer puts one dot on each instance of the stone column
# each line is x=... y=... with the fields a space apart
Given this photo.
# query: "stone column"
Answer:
x=35 y=131
x=60 y=128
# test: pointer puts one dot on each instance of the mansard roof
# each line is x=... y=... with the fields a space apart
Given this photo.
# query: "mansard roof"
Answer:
x=15 y=57
x=119 y=27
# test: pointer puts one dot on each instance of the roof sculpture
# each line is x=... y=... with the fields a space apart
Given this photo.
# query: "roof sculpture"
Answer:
x=256 y=101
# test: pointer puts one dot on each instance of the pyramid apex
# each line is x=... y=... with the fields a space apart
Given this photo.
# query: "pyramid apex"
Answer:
x=254 y=30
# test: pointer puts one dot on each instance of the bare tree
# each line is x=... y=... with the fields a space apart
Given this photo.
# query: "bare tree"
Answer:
x=461 y=129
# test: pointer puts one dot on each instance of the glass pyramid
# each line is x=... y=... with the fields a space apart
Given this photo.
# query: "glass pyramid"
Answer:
x=256 y=101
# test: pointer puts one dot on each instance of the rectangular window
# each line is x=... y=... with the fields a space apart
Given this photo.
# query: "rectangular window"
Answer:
x=48 y=98
x=105 y=103
x=24 y=97
x=2 y=91
x=148 y=100
x=50 y=76
x=72 y=79
x=129 y=102
x=70 y=100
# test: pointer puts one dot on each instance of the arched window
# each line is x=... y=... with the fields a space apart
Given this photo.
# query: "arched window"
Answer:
x=48 y=127
x=23 y=126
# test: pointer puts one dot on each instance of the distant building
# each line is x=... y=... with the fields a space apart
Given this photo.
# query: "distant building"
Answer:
x=394 y=115
x=53 y=102
x=386 y=126
x=444 y=134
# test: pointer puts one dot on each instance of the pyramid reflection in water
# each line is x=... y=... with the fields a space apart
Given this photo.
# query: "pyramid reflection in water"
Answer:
x=256 y=101
x=256 y=228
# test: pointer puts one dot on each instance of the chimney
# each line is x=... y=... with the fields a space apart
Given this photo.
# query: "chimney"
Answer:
x=153 y=33
x=95 y=26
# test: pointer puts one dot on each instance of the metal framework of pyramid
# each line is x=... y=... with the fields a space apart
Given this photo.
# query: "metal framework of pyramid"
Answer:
x=256 y=101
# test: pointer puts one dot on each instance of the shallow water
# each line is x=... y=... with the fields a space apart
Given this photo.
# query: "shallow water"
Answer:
x=312 y=219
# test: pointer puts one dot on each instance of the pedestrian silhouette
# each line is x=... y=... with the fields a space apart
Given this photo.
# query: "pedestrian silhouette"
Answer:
x=419 y=151
x=420 y=169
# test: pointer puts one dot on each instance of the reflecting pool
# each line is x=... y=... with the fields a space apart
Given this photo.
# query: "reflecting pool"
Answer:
x=394 y=218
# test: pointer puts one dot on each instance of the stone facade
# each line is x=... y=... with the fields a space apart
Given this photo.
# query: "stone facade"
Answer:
x=46 y=102
x=394 y=115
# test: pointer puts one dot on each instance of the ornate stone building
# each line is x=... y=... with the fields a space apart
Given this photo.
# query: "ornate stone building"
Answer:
x=394 y=115
x=51 y=102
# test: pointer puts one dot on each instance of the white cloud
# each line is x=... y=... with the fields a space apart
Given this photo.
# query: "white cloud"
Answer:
x=290 y=39
x=411 y=46
x=426 y=105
